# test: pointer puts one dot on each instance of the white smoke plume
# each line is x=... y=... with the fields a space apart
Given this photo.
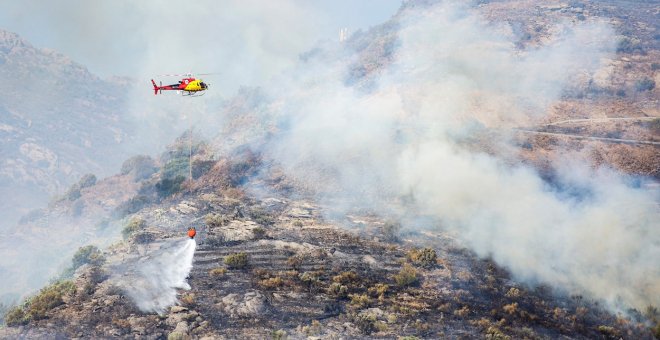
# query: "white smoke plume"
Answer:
x=153 y=280
x=455 y=75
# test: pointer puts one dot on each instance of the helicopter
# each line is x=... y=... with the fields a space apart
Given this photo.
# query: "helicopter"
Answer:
x=188 y=86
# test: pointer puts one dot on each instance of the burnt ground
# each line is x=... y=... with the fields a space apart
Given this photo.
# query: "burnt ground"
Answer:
x=295 y=259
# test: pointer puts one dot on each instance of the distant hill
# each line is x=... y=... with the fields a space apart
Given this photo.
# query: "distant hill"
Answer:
x=58 y=121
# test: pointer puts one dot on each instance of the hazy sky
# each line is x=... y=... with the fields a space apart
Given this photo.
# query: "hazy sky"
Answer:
x=138 y=38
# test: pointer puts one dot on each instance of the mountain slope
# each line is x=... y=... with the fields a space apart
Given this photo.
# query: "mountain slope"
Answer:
x=57 y=122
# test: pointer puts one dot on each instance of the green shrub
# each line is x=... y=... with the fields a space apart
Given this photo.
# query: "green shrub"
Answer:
x=176 y=336
x=426 y=257
x=337 y=290
x=360 y=300
x=215 y=220
x=378 y=290
x=279 y=334
x=259 y=233
x=391 y=231
x=47 y=299
x=272 y=283
x=366 y=323
x=217 y=272
x=169 y=186
x=87 y=255
x=407 y=276
x=16 y=317
x=646 y=84
x=261 y=217
x=236 y=260
x=346 y=277
x=629 y=45
x=134 y=225
x=139 y=166
x=311 y=279
x=176 y=167
x=131 y=206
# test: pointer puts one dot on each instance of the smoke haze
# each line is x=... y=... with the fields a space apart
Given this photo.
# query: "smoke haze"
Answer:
x=454 y=76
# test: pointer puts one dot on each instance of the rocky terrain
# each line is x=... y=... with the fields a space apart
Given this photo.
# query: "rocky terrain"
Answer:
x=273 y=260
x=306 y=276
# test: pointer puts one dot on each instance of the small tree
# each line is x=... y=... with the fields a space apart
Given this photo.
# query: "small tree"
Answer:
x=87 y=255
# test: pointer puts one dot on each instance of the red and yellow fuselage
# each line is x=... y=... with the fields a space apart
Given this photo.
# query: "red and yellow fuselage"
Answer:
x=188 y=85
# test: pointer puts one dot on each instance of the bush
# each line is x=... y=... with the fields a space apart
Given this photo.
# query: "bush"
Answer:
x=144 y=237
x=131 y=206
x=378 y=290
x=279 y=334
x=366 y=323
x=391 y=231
x=201 y=167
x=656 y=330
x=215 y=220
x=135 y=225
x=187 y=299
x=176 y=167
x=360 y=300
x=510 y=308
x=215 y=241
x=337 y=290
x=426 y=257
x=217 y=272
x=85 y=181
x=47 y=299
x=258 y=233
x=609 y=332
x=176 y=336
x=311 y=279
x=629 y=45
x=272 y=283
x=87 y=255
x=407 y=276
x=169 y=186
x=646 y=84
x=16 y=317
x=236 y=260
x=261 y=217
x=294 y=262
x=346 y=277
x=139 y=166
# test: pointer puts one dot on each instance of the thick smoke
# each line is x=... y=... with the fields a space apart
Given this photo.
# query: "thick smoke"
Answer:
x=152 y=280
x=455 y=76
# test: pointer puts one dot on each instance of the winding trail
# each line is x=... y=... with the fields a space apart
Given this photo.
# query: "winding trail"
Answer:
x=594 y=120
x=601 y=139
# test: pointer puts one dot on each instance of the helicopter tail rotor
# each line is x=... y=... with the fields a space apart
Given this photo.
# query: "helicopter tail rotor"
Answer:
x=155 y=87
